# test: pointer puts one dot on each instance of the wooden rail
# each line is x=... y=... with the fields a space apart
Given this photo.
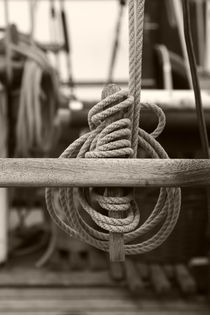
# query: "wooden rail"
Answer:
x=104 y=172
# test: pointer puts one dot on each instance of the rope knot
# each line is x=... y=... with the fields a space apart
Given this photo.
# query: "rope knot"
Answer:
x=112 y=130
x=110 y=204
x=110 y=137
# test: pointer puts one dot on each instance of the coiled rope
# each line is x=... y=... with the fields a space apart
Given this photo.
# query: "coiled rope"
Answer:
x=39 y=98
x=115 y=133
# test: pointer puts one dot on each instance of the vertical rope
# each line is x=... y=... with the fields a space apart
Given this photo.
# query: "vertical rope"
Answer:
x=132 y=49
x=136 y=21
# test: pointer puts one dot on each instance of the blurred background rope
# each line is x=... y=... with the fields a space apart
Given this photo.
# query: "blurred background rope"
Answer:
x=39 y=97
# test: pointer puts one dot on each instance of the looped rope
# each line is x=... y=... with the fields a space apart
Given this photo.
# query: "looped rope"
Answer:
x=70 y=208
x=115 y=133
x=111 y=136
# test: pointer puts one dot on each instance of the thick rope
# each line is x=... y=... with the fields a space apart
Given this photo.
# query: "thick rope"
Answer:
x=115 y=133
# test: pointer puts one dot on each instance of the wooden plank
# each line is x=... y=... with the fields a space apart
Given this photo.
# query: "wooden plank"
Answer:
x=59 y=305
x=64 y=293
x=104 y=172
x=116 y=271
x=177 y=305
x=30 y=277
x=105 y=305
x=98 y=301
x=159 y=280
x=116 y=240
x=143 y=270
x=134 y=280
x=184 y=280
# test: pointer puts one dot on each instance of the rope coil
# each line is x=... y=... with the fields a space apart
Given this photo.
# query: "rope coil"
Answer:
x=74 y=220
x=39 y=97
x=115 y=133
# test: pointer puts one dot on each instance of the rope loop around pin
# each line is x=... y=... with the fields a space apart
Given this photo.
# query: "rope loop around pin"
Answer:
x=83 y=212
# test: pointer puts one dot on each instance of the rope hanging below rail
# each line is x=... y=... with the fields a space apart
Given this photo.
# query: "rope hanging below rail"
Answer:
x=94 y=215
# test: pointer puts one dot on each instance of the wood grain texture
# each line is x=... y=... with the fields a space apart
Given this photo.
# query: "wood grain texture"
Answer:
x=45 y=301
x=43 y=292
x=116 y=240
x=64 y=293
x=104 y=172
x=91 y=301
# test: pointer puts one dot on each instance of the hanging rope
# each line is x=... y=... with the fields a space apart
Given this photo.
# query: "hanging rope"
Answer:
x=39 y=97
x=115 y=133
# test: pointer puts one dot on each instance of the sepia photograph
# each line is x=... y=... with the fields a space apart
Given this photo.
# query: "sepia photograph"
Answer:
x=104 y=157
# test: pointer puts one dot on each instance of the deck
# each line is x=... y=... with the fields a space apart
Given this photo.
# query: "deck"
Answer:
x=34 y=291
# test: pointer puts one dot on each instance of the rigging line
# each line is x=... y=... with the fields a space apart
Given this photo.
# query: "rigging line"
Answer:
x=136 y=22
x=122 y=4
x=195 y=80
x=9 y=74
x=178 y=10
x=67 y=45
x=198 y=100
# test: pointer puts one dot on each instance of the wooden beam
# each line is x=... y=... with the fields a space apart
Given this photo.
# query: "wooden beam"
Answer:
x=116 y=240
x=103 y=172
